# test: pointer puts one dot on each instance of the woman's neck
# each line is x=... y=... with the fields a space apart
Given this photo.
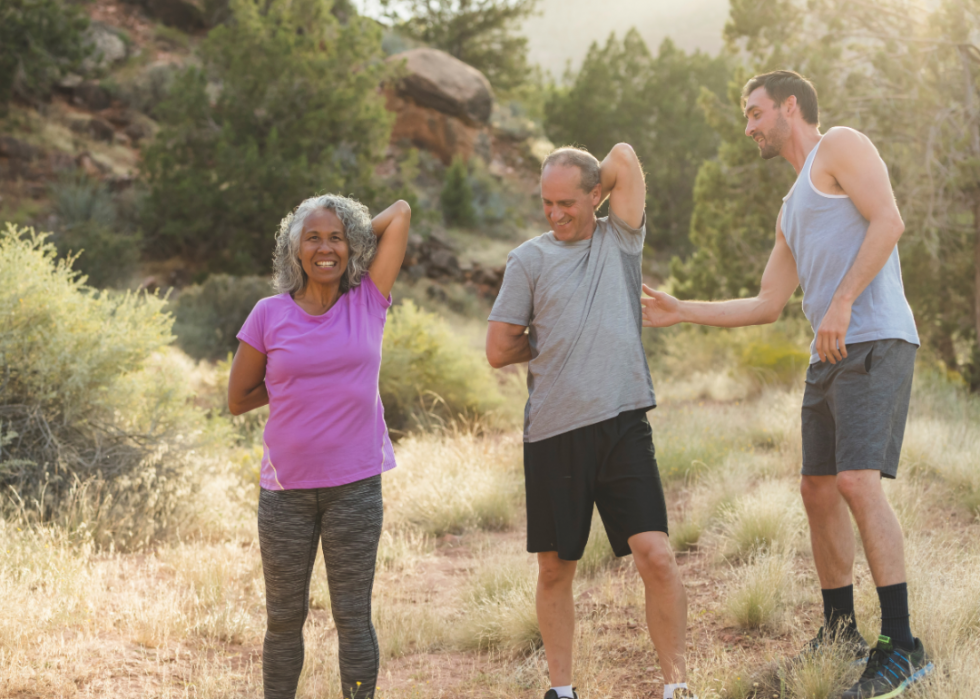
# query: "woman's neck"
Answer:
x=317 y=299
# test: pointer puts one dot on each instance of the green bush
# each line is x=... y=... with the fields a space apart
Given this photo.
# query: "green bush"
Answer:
x=427 y=372
x=457 y=196
x=95 y=425
x=208 y=316
x=39 y=41
x=285 y=104
x=90 y=229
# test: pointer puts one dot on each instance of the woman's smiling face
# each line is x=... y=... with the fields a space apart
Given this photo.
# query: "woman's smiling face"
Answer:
x=323 y=248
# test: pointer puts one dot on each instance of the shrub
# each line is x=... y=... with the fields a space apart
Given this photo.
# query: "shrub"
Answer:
x=501 y=609
x=453 y=482
x=769 y=518
x=95 y=422
x=90 y=230
x=763 y=592
x=427 y=372
x=241 y=144
x=457 y=196
x=208 y=316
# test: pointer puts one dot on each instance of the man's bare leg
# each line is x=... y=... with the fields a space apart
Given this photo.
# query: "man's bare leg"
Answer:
x=556 y=615
x=831 y=534
x=881 y=534
x=666 y=601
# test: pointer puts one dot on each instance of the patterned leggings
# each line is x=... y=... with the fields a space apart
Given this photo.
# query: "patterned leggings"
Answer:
x=347 y=519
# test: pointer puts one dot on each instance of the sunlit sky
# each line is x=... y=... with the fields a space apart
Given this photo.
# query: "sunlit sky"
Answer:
x=563 y=29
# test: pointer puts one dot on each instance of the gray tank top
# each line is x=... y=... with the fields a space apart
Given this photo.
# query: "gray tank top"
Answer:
x=825 y=232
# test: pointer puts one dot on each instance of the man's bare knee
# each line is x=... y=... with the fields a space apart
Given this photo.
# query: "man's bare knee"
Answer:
x=819 y=493
x=553 y=571
x=653 y=557
x=859 y=487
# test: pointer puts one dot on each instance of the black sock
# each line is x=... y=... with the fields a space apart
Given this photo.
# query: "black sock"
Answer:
x=895 y=615
x=838 y=609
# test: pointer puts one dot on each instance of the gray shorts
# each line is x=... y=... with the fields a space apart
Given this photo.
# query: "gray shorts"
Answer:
x=854 y=411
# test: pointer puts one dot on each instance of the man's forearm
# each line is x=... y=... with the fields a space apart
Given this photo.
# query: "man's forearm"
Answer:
x=879 y=241
x=735 y=313
x=517 y=351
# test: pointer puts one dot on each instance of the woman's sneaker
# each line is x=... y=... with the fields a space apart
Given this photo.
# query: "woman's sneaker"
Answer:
x=890 y=671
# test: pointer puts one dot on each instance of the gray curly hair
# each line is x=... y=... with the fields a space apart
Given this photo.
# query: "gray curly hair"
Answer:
x=288 y=275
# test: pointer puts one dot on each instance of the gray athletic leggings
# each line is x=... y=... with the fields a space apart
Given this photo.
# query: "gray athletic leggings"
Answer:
x=347 y=519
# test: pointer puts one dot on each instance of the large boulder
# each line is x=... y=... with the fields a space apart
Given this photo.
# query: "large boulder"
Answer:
x=434 y=79
x=442 y=135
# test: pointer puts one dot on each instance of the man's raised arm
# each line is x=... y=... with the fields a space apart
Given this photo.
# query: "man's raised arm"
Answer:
x=622 y=181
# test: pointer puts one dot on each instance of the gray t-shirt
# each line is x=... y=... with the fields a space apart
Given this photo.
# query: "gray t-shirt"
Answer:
x=581 y=303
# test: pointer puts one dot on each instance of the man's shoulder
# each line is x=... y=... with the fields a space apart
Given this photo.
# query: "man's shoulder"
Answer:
x=532 y=249
x=844 y=142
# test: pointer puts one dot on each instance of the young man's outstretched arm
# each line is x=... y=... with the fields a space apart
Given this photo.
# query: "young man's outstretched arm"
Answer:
x=779 y=281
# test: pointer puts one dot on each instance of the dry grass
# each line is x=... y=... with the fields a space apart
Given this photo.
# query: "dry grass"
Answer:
x=454 y=598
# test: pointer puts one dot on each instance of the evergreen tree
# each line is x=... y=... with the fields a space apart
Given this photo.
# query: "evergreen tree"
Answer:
x=623 y=93
x=457 y=196
x=39 y=41
x=286 y=104
x=482 y=33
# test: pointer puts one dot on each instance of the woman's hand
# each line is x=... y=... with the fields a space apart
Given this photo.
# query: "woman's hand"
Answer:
x=246 y=385
x=391 y=226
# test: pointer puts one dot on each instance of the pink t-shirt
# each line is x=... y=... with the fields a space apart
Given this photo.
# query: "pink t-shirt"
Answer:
x=326 y=423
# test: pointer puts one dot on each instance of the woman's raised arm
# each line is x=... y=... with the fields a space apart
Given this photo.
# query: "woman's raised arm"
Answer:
x=391 y=227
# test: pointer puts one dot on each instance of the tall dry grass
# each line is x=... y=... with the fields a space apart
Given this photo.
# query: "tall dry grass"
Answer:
x=186 y=617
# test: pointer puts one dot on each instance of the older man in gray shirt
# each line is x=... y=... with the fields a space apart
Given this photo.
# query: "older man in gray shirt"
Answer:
x=570 y=307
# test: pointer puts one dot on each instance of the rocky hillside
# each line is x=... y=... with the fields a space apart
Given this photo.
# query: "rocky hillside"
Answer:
x=98 y=119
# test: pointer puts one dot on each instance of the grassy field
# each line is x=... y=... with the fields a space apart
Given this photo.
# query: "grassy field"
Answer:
x=454 y=597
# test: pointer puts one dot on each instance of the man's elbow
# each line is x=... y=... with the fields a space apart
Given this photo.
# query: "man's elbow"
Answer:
x=496 y=358
x=624 y=152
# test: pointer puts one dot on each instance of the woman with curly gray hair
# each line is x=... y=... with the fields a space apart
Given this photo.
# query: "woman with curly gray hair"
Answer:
x=313 y=354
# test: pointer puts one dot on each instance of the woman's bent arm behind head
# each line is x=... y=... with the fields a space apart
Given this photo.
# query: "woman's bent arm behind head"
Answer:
x=246 y=385
x=391 y=226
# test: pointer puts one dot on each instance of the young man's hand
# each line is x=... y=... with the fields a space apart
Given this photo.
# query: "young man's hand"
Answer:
x=660 y=310
x=832 y=332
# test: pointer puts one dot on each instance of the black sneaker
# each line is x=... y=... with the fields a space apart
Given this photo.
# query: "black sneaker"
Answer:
x=552 y=694
x=890 y=671
x=851 y=642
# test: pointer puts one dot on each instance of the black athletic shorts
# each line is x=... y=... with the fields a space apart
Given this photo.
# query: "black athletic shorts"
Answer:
x=612 y=464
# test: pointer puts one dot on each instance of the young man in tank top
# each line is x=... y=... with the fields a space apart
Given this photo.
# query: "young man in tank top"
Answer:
x=570 y=307
x=836 y=236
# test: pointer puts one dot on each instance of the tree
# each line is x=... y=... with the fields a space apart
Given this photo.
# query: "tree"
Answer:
x=481 y=33
x=286 y=104
x=39 y=41
x=906 y=76
x=623 y=93
x=457 y=196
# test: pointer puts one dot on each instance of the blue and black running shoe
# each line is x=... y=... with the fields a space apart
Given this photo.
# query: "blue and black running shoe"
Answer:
x=890 y=671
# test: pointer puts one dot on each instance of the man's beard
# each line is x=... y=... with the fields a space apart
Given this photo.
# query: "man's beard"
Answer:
x=775 y=139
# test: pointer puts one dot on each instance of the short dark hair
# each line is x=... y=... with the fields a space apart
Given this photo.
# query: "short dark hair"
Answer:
x=779 y=85
x=570 y=156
